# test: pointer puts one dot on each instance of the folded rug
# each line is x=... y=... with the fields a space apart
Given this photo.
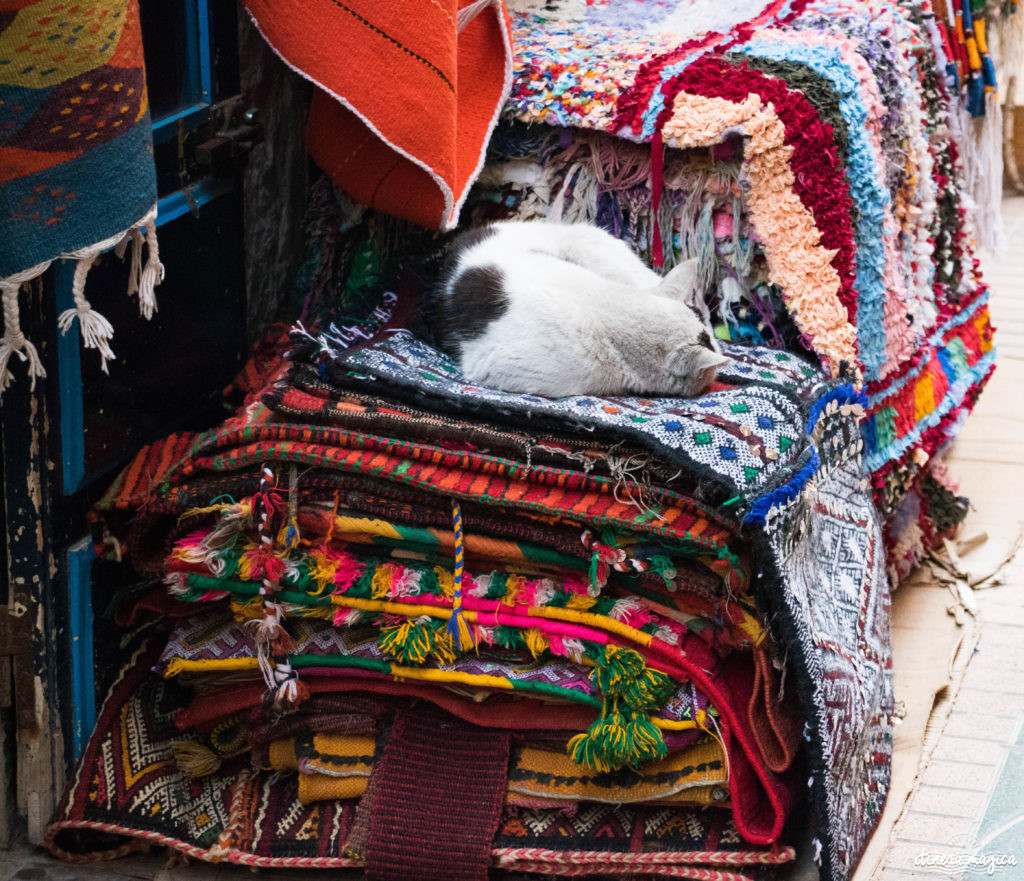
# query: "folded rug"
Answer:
x=820 y=150
x=407 y=94
x=128 y=793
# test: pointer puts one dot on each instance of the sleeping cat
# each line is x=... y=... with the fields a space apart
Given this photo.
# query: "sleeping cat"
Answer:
x=557 y=310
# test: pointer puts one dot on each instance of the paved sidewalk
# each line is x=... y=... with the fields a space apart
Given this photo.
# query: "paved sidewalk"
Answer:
x=971 y=793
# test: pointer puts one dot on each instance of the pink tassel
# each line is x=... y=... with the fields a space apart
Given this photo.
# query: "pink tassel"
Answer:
x=657 y=183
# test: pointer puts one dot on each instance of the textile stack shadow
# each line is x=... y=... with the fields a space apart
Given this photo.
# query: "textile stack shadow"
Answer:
x=433 y=629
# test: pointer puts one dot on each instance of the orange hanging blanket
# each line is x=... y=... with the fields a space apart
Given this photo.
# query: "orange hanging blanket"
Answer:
x=408 y=92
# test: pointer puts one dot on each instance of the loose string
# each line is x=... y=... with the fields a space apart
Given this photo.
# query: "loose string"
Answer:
x=657 y=182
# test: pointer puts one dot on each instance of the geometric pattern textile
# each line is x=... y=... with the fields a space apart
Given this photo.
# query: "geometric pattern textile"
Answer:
x=827 y=590
x=737 y=435
x=76 y=156
x=128 y=793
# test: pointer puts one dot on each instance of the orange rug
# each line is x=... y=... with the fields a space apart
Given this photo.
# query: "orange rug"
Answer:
x=407 y=94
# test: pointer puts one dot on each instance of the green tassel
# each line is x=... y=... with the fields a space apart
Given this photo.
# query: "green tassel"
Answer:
x=509 y=637
x=361 y=587
x=660 y=565
x=442 y=648
x=605 y=745
x=407 y=642
x=648 y=691
x=429 y=584
x=623 y=674
x=618 y=667
x=645 y=739
x=595 y=561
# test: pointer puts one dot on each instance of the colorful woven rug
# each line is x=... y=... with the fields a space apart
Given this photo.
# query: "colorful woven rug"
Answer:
x=740 y=436
x=127 y=794
x=407 y=94
x=827 y=161
x=76 y=158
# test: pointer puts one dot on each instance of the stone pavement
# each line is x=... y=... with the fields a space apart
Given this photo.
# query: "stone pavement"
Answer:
x=971 y=791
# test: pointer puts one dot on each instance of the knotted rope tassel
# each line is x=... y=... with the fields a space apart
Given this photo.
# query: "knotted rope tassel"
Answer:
x=96 y=330
x=458 y=628
x=14 y=342
x=152 y=274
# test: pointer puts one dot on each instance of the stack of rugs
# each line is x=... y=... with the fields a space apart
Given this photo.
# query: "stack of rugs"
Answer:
x=394 y=620
x=397 y=597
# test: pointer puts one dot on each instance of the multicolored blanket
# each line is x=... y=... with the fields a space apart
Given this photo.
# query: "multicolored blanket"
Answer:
x=76 y=157
x=804 y=151
x=129 y=792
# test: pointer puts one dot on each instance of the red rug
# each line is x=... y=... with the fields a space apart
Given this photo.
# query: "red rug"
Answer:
x=407 y=94
x=437 y=800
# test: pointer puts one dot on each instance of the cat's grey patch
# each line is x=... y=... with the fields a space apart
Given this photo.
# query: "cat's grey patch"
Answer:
x=434 y=317
x=705 y=340
x=477 y=298
x=462 y=243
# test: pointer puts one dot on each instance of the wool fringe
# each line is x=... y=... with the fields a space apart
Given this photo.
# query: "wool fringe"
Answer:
x=95 y=329
x=988 y=176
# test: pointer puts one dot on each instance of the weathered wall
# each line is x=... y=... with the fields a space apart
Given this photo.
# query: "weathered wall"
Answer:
x=276 y=177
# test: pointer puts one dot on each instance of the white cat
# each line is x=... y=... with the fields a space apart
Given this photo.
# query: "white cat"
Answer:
x=557 y=310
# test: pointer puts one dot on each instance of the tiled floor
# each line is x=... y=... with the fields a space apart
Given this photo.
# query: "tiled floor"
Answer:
x=971 y=792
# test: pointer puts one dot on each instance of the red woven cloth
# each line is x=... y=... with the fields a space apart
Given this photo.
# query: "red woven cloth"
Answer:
x=405 y=101
x=438 y=795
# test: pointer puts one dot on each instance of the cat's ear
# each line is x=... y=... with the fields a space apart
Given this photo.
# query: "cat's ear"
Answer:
x=706 y=364
x=681 y=283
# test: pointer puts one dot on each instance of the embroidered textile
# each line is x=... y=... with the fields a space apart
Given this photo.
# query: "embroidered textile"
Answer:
x=128 y=793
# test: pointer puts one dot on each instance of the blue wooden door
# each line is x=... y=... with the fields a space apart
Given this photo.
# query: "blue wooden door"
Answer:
x=62 y=445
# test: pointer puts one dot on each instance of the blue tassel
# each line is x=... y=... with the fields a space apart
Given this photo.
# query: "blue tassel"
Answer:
x=976 y=97
x=988 y=73
x=458 y=627
x=784 y=494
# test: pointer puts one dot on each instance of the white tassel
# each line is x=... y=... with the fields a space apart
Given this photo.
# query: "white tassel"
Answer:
x=176 y=583
x=14 y=342
x=732 y=294
x=266 y=629
x=135 y=271
x=96 y=330
x=266 y=668
x=151 y=275
x=143 y=281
